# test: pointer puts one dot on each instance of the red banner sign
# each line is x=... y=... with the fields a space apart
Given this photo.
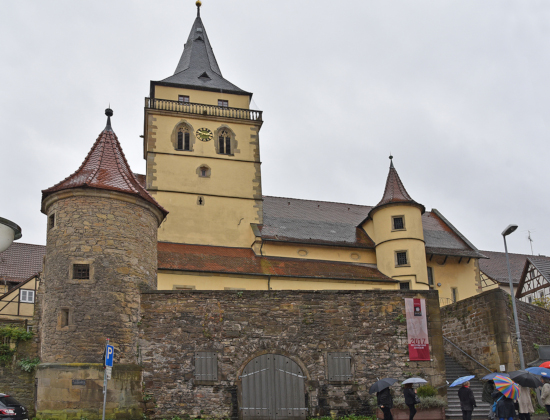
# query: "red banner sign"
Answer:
x=417 y=329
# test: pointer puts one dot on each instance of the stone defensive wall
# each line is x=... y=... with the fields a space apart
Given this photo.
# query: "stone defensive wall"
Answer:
x=232 y=330
x=483 y=327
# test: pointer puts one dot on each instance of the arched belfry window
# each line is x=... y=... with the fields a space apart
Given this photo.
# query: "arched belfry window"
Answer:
x=224 y=142
x=184 y=138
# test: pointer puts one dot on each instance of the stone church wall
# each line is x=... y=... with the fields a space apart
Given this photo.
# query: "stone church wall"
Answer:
x=483 y=326
x=303 y=325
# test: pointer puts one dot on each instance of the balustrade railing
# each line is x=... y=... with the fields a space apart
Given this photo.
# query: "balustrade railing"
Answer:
x=203 y=109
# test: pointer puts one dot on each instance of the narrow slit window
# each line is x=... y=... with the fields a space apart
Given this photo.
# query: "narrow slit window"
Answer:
x=430 y=276
x=51 y=221
x=81 y=271
x=64 y=322
x=186 y=145
x=454 y=294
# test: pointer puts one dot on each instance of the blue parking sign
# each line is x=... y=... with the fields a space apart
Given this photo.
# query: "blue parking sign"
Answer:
x=109 y=355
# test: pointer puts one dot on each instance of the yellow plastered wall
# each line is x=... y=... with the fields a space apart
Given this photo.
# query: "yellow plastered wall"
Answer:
x=313 y=252
x=219 y=221
x=463 y=276
x=11 y=308
x=202 y=97
x=213 y=210
x=389 y=241
x=169 y=280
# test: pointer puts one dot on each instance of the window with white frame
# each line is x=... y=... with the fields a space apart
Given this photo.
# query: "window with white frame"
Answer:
x=26 y=296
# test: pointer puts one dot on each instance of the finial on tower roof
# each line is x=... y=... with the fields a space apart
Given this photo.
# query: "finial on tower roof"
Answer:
x=199 y=4
x=391 y=160
x=109 y=113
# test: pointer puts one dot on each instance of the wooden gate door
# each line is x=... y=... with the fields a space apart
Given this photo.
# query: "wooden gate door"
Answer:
x=273 y=389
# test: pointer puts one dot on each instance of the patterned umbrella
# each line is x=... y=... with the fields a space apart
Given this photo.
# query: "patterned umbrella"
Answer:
x=507 y=387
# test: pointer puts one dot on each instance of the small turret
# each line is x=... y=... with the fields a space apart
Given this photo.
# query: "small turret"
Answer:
x=395 y=225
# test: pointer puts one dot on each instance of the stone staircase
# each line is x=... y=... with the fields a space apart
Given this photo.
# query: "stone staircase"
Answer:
x=456 y=370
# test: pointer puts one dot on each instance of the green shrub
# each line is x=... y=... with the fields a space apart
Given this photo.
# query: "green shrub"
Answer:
x=426 y=391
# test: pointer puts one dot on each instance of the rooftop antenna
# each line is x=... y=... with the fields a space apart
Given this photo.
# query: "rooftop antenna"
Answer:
x=530 y=241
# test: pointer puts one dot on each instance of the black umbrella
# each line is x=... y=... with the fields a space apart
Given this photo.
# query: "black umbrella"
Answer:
x=382 y=384
x=525 y=378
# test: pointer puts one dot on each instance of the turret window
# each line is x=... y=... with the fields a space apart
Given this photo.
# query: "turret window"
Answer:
x=224 y=142
x=398 y=222
x=184 y=138
x=401 y=258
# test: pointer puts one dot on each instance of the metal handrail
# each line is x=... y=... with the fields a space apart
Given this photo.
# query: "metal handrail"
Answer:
x=462 y=351
x=203 y=109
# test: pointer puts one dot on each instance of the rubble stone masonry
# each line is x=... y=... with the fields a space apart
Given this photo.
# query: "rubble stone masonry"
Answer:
x=116 y=234
x=302 y=325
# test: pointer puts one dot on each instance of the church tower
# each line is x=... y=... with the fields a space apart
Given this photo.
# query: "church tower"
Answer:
x=201 y=145
x=395 y=225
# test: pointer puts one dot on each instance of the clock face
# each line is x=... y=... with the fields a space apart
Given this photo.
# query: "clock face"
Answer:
x=204 y=134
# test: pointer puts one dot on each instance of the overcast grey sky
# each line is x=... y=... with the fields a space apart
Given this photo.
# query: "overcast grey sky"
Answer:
x=457 y=91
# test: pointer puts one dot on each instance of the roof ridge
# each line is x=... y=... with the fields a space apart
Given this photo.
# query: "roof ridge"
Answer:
x=317 y=201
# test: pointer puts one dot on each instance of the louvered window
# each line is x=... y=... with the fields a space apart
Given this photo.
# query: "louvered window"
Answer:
x=339 y=366
x=206 y=366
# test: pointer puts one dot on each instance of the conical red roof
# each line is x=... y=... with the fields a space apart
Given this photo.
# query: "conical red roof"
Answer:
x=105 y=168
x=395 y=193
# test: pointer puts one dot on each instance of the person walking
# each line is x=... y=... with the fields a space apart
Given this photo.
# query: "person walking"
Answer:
x=467 y=401
x=505 y=408
x=486 y=396
x=410 y=399
x=384 y=400
x=545 y=395
x=525 y=403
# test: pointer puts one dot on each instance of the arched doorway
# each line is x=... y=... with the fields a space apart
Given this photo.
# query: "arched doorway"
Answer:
x=272 y=387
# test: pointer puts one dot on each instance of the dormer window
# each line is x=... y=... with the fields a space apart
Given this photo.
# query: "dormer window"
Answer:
x=223 y=103
x=398 y=222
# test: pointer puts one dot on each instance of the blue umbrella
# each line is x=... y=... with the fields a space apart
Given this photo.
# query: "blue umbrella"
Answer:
x=491 y=376
x=462 y=379
x=539 y=371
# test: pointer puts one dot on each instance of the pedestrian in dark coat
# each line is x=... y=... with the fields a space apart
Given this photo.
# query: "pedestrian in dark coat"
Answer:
x=486 y=396
x=505 y=409
x=467 y=401
x=385 y=402
x=410 y=399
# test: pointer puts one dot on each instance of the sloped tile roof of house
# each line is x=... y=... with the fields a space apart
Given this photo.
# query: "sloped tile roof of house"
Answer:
x=335 y=224
x=105 y=168
x=495 y=266
x=243 y=261
x=20 y=261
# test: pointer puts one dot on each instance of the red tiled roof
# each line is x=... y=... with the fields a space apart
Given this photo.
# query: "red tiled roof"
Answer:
x=495 y=267
x=105 y=168
x=20 y=261
x=214 y=259
x=395 y=192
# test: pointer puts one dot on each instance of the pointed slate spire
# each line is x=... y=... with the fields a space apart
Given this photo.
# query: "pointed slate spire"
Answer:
x=395 y=192
x=197 y=60
x=105 y=168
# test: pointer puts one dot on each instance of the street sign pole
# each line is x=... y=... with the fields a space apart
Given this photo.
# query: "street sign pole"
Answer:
x=108 y=366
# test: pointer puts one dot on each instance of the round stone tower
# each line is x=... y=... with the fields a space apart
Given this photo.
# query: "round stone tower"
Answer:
x=101 y=251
